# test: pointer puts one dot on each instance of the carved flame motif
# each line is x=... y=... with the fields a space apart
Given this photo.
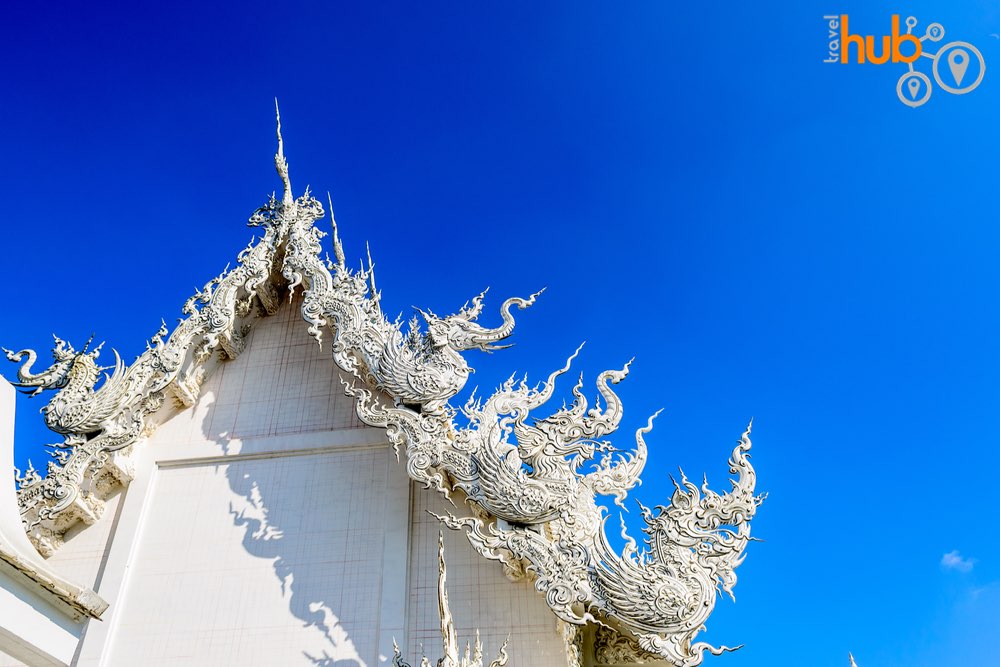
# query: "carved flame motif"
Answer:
x=473 y=656
x=531 y=481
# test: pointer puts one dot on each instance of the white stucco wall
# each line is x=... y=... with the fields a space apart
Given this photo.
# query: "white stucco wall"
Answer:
x=243 y=563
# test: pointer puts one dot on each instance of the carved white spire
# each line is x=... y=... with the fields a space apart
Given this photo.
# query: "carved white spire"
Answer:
x=473 y=656
x=280 y=163
x=371 y=275
x=449 y=638
x=338 y=249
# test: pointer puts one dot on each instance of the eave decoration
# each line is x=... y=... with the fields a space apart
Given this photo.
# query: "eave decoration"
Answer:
x=531 y=481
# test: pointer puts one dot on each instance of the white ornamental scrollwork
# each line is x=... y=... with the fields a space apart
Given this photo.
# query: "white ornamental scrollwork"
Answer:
x=532 y=481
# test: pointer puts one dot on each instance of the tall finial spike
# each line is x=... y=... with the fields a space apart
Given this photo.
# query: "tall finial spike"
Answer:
x=449 y=638
x=338 y=249
x=371 y=272
x=279 y=161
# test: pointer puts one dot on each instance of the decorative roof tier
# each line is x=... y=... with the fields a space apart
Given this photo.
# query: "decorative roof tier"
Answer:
x=532 y=481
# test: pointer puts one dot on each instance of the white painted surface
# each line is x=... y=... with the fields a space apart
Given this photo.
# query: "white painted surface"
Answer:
x=32 y=631
x=241 y=563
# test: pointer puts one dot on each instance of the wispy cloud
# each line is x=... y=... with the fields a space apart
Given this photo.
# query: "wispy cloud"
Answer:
x=953 y=560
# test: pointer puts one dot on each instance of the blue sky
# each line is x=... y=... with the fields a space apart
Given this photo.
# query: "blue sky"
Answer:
x=769 y=235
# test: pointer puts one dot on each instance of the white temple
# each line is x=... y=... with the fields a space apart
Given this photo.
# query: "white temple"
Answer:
x=266 y=485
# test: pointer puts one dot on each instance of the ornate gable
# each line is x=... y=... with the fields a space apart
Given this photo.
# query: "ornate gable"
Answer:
x=531 y=481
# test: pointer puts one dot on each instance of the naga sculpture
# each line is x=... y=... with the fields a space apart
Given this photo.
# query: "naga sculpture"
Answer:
x=532 y=482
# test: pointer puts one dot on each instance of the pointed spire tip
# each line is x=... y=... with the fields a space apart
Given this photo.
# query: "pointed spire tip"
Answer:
x=280 y=163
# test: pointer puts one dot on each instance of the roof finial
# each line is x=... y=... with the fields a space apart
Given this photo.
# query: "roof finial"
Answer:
x=280 y=163
x=371 y=274
x=338 y=249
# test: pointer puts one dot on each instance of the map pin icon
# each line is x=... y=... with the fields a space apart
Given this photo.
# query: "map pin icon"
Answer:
x=914 y=86
x=958 y=62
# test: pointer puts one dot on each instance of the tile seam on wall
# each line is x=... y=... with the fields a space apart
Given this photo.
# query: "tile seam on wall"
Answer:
x=274 y=454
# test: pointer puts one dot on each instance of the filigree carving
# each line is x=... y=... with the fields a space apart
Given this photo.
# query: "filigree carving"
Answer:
x=613 y=648
x=532 y=482
x=187 y=387
x=28 y=479
x=572 y=636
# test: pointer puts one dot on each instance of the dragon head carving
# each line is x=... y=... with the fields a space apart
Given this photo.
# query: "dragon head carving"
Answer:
x=68 y=366
x=461 y=332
